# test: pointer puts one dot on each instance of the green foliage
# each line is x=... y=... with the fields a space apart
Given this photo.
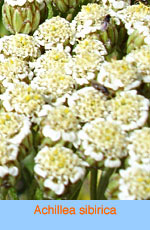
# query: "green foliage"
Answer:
x=3 y=30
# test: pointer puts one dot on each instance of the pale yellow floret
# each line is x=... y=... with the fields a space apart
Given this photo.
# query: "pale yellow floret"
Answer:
x=135 y=183
x=10 y=124
x=53 y=32
x=13 y=69
x=104 y=140
x=22 y=99
x=20 y=45
x=89 y=19
x=129 y=109
x=8 y=151
x=119 y=74
x=139 y=148
x=53 y=84
x=53 y=60
x=57 y=166
x=61 y=118
x=88 y=104
x=141 y=59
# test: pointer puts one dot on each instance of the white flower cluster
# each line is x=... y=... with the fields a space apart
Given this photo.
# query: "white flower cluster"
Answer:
x=83 y=110
x=134 y=183
x=61 y=86
x=140 y=58
x=88 y=20
x=139 y=148
x=20 y=45
x=54 y=68
x=89 y=54
x=8 y=154
x=115 y=4
x=14 y=69
x=53 y=32
x=129 y=109
x=23 y=99
x=97 y=21
x=136 y=18
x=57 y=167
x=14 y=127
x=90 y=45
x=119 y=74
x=59 y=123
x=88 y=104
x=104 y=141
x=55 y=60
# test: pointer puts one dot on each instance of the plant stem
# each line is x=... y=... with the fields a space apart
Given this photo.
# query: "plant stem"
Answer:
x=76 y=194
x=77 y=191
x=103 y=182
x=93 y=184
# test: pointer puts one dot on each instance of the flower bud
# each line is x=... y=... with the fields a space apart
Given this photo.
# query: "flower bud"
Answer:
x=19 y=18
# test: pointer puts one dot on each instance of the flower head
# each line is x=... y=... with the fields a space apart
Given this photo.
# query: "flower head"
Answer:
x=14 y=69
x=20 y=45
x=59 y=123
x=89 y=19
x=14 y=127
x=22 y=99
x=88 y=104
x=141 y=59
x=91 y=46
x=136 y=17
x=8 y=154
x=54 y=86
x=139 y=148
x=53 y=60
x=87 y=61
x=85 y=67
x=129 y=109
x=135 y=183
x=115 y=4
x=54 y=32
x=57 y=167
x=135 y=13
x=103 y=140
x=119 y=74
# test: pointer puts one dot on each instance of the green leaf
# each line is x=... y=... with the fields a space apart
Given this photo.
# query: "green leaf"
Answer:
x=28 y=162
x=11 y=195
x=38 y=194
x=17 y=21
x=3 y=30
x=50 y=10
x=36 y=20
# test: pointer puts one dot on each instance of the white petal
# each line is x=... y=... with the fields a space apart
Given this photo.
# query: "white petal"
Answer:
x=3 y=171
x=57 y=188
x=13 y=171
x=80 y=172
x=39 y=171
x=48 y=132
x=112 y=163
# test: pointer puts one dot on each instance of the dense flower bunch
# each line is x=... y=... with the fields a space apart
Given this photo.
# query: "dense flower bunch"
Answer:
x=74 y=99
